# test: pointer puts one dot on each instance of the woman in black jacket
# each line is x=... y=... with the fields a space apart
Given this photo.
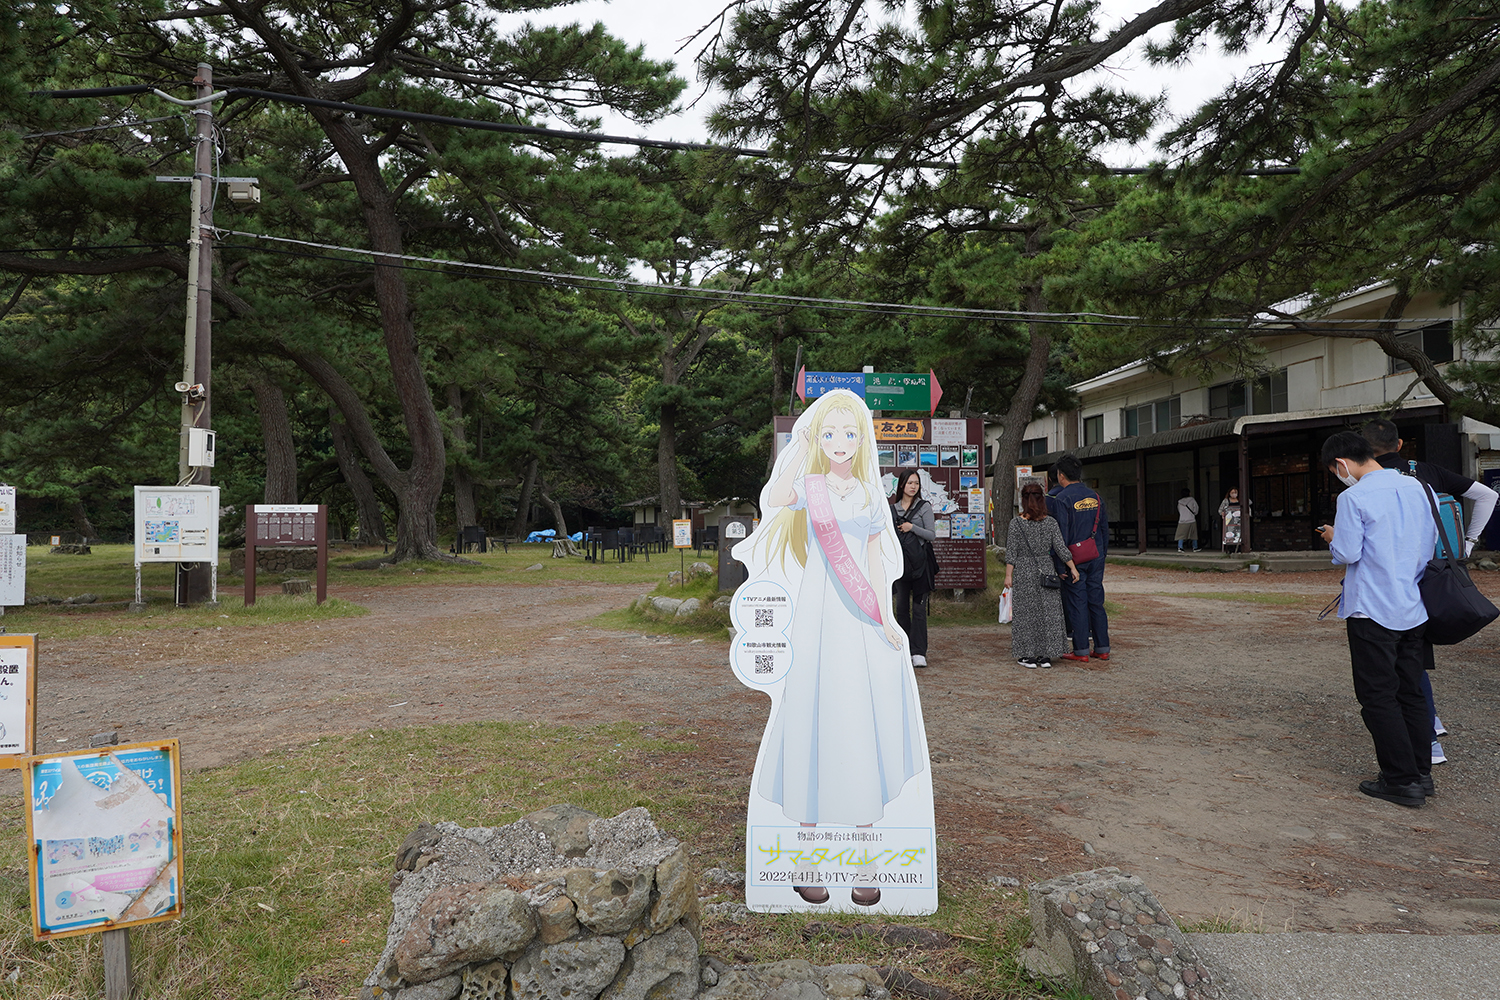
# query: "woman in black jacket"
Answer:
x=913 y=518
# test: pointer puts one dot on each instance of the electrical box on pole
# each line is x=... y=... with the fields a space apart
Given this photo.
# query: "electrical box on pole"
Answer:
x=200 y=448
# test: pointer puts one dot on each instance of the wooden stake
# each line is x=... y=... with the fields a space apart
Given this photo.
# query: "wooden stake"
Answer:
x=117 y=978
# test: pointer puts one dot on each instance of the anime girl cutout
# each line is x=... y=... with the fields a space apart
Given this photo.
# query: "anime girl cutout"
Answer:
x=845 y=738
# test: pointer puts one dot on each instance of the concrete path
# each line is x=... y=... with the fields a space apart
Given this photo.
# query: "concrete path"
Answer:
x=1312 y=966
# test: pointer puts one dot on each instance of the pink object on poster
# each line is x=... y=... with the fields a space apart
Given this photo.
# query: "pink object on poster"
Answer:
x=845 y=569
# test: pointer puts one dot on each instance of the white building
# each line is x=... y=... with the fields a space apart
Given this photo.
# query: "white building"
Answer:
x=1144 y=434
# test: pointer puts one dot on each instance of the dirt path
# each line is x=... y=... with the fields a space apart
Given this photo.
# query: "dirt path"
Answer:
x=1217 y=756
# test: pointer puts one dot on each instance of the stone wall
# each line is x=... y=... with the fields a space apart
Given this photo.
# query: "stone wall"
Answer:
x=558 y=904
x=280 y=559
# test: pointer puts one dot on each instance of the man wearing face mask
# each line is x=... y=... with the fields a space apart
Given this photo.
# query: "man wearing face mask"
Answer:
x=1384 y=534
x=1386 y=441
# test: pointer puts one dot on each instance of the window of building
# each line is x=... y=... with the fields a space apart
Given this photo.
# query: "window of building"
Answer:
x=1435 y=341
x=1162 y=415
x=1093 y=430
x=1033 y=446
x=1266 y=394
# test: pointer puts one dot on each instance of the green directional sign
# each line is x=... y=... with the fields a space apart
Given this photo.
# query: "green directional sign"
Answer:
x=902 y=391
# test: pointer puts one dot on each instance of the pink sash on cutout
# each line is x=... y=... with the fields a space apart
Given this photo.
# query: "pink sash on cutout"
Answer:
x=825 y=525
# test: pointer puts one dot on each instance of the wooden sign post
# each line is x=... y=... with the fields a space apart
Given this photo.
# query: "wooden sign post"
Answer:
x=286 y=525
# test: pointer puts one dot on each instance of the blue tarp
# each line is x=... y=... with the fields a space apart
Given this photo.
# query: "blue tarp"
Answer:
x=546 y=535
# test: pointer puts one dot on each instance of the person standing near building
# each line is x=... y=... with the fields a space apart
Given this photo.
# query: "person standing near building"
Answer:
x=1187 y=520
x=1079 y=512
x=1385 y=441
x=1384 y=536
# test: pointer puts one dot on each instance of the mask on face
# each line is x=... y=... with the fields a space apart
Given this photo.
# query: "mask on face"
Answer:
x=1347 y=480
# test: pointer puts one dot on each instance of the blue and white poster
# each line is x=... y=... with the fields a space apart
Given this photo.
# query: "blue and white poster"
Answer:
x=840 y=814
x=105 y=827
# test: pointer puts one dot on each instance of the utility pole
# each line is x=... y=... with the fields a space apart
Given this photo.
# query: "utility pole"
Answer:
x=193 y=585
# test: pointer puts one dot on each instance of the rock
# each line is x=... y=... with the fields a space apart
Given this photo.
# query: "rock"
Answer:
x=1488 y=564
x=720 y=876
x=82 y=599
x=734 y=913
x=439 y=989
x=688 y=606
x=701 y=569
x=532 y=567
x=295 y=586
x=676 y=892
x=566 y=828
x=558 y=920
x=1146 y=957
x=409 y=856
x=724 y=602
x=277 y=559
x=664 y=967
x=674 y=579
x=641 y=603
x=578 y=970
x=668 y=605
x=610 y=901
x=486 y=982
x=72 y=549
x=462 y=924
x=796 y=979
x=1005 y=881
x=40 y=599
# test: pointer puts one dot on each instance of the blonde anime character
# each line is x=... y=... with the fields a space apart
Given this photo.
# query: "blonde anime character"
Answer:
x=846 y=732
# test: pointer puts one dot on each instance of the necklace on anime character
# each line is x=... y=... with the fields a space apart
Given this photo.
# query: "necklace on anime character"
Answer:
x=839 y=488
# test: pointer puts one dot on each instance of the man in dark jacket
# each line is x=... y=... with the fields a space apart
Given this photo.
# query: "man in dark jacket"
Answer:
x=1080 y=514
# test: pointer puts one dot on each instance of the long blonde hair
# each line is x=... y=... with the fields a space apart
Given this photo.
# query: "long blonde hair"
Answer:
x=787 y=529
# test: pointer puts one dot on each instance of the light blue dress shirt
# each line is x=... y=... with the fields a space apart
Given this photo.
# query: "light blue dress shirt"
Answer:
x=1384 y=534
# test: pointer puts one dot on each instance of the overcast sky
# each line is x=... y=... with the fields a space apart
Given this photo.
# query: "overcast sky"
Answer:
x=662 y=26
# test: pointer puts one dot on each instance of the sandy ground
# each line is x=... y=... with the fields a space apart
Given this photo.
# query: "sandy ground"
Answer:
x=1216 y=755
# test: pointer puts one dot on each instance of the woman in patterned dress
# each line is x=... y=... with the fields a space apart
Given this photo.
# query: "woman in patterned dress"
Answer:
x=1037 y=632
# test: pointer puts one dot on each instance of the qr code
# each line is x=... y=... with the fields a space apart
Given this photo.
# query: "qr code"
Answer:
x=764 y=618
x=765 y=663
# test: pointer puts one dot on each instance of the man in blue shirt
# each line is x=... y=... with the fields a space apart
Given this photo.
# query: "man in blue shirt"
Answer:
x=1384 y=535
x=1080 y=514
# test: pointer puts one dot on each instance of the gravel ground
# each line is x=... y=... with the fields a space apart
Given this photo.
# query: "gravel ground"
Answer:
x=1216 y=755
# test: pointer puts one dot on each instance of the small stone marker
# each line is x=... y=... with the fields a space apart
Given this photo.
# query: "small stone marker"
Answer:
x=1106 y=930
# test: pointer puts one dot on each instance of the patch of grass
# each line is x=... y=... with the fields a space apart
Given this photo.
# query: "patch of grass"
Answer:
x=1228 y=567
x=288 y=860
x=61 y=622
x=707 y=622
x=1236 y=921
x=1253 y=597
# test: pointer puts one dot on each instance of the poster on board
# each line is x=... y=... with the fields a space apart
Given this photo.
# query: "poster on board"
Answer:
x=840 y=815
x=7 y=510
x=12 y=570
x=176 y=524
x=17 y=699
x=105 y=828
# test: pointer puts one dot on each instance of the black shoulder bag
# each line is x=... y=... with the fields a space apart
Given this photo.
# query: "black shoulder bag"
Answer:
x=1455 y=607
x=916 y=552
x=1049 y=580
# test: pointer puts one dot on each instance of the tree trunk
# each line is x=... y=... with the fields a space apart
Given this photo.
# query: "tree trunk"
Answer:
x=666 y=462
x=464 y=512
x=528 y=482
x=371 y=519
x=562 y=526
x=1022 y=403
x=82 y=524
x=276 y=430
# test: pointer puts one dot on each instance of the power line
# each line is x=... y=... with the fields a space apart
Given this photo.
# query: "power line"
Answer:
x=100 y=128
x=594 y=282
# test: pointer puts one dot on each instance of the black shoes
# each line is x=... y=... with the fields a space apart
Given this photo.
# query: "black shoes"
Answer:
x=1412 y=796
x=1428 y=788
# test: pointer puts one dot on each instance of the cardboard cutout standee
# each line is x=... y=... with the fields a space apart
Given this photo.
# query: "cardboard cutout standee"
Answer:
x=840 y=814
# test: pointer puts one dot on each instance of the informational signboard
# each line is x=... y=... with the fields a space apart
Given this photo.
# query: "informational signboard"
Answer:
x=881 y=390
x=682 y=533
x=17 y=699
x=176 y=524
x=12 y=570
x=105 y=828
x=272 y=525
x=946 y=455
x=733 y=529
x=840 y=814
x=7 y=510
